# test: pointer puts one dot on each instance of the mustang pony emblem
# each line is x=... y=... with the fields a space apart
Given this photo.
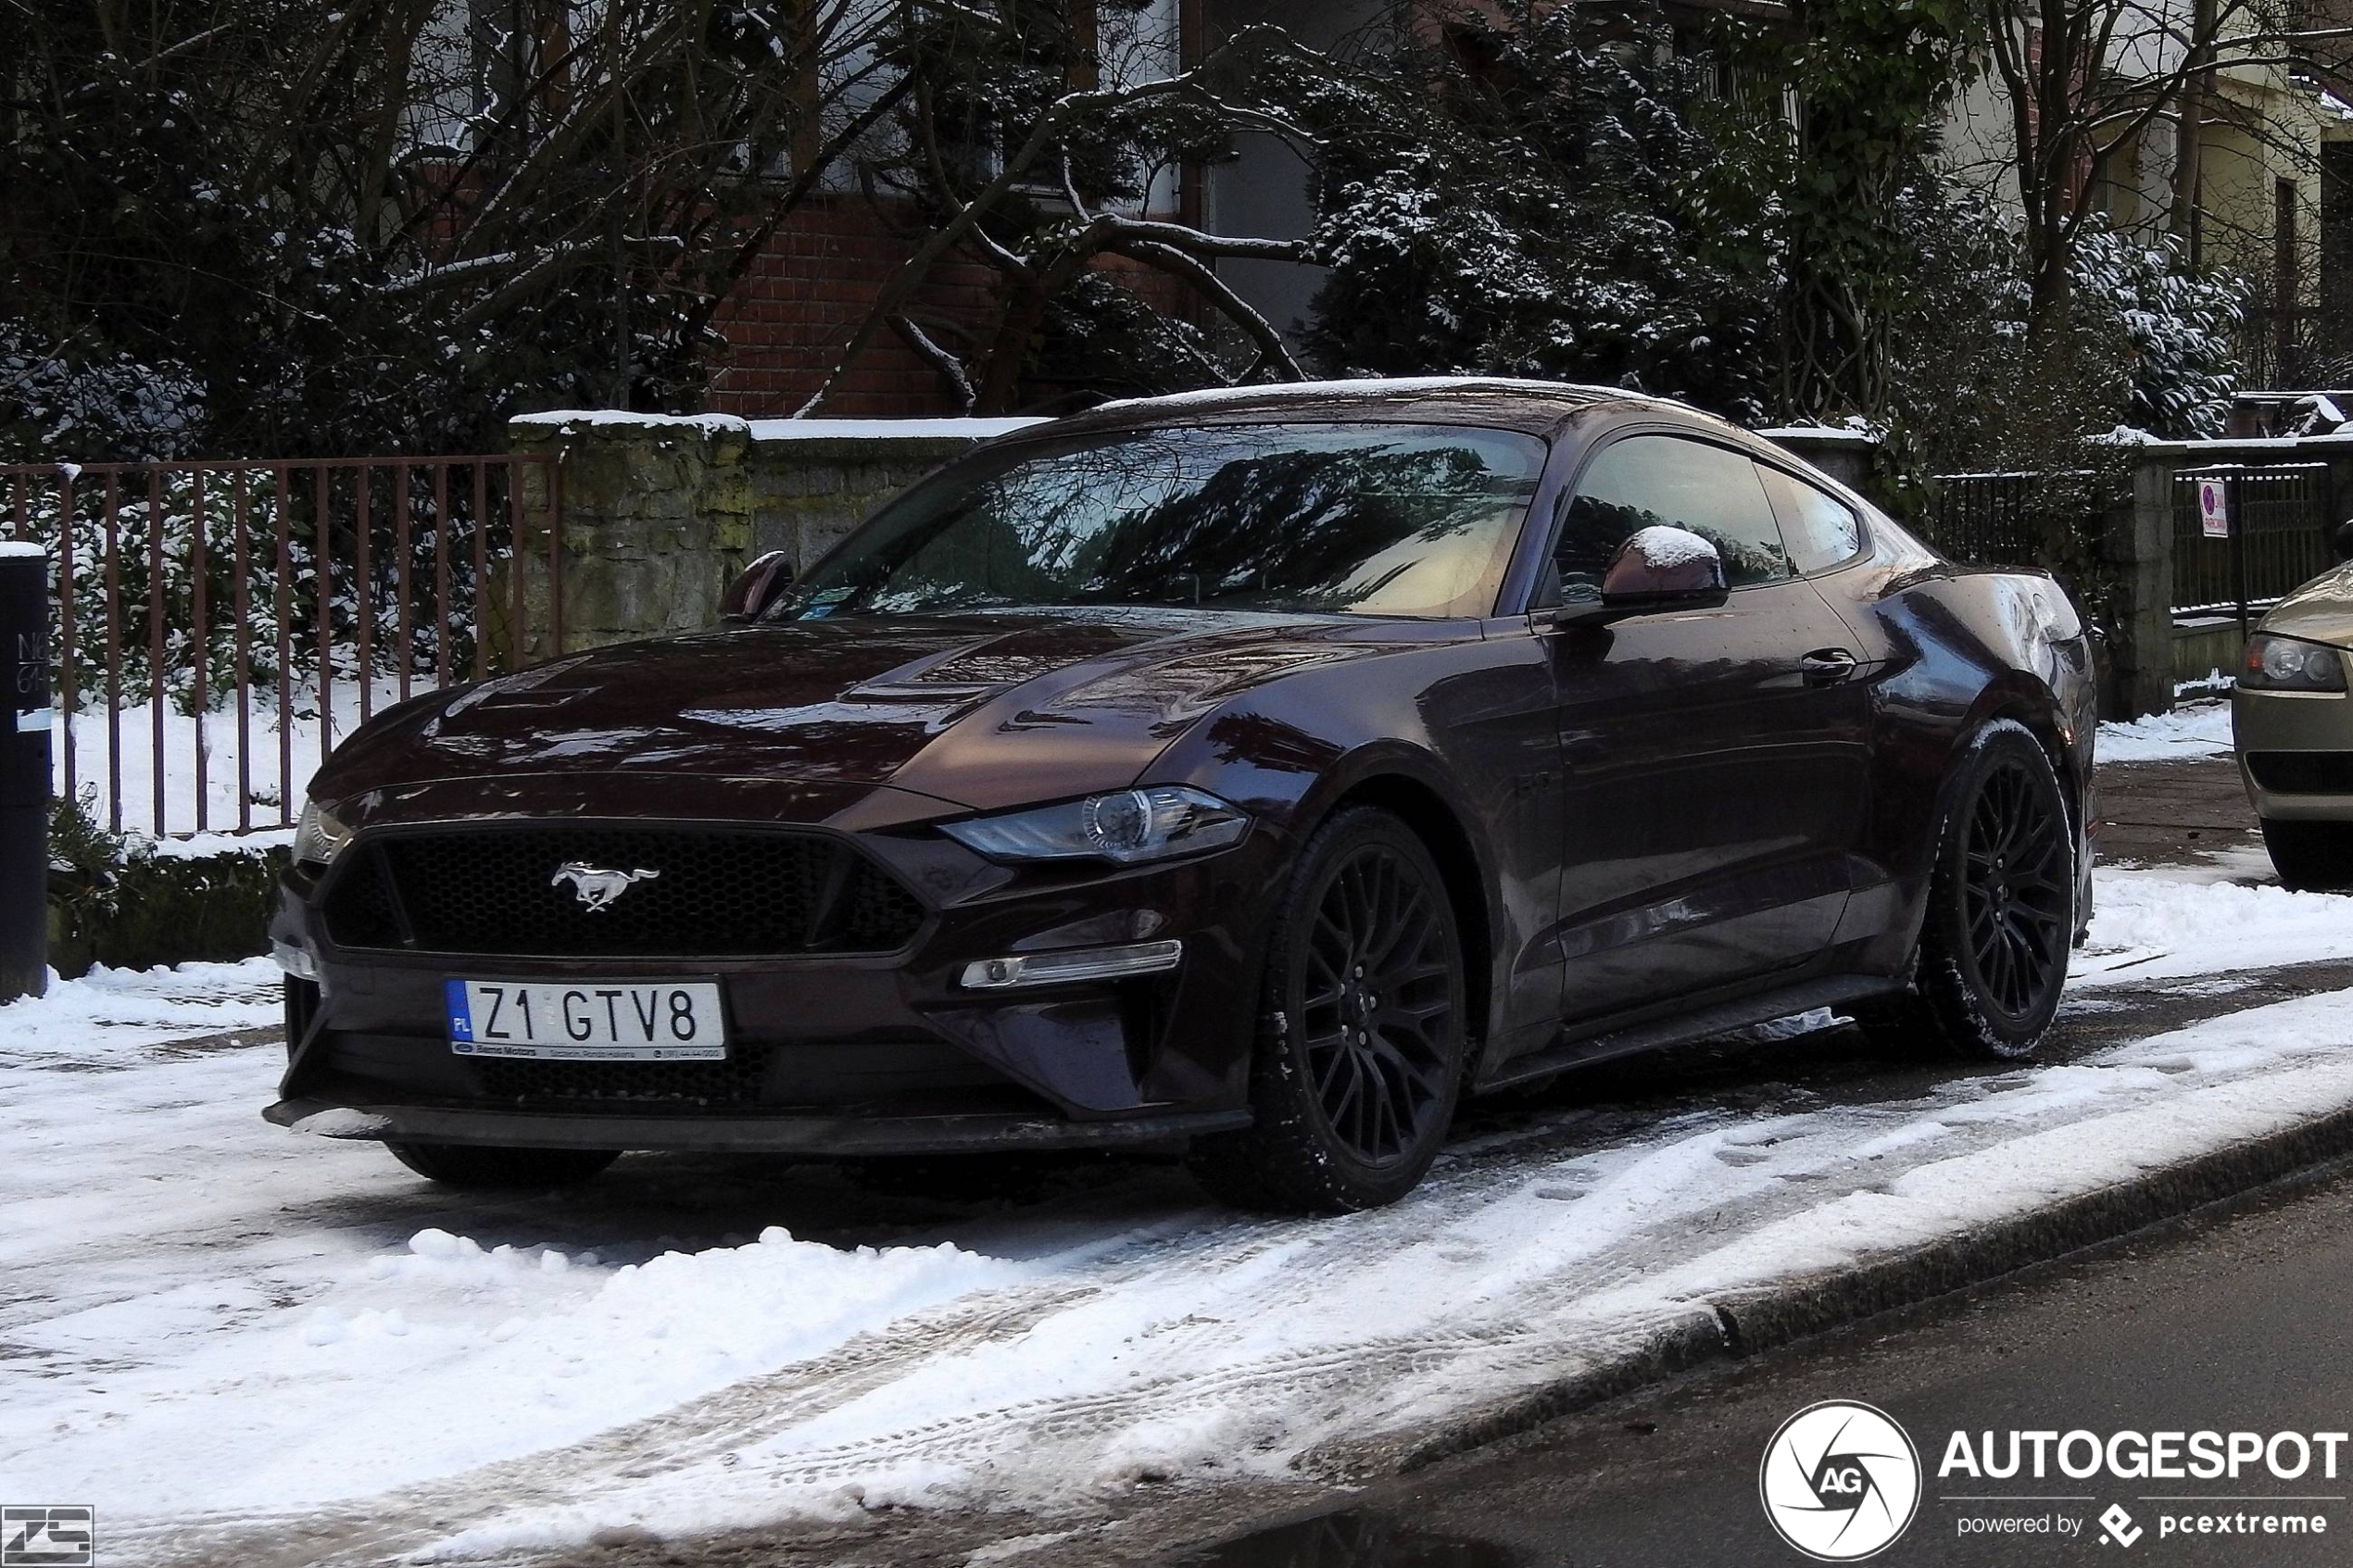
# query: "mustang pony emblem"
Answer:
x=595 y=885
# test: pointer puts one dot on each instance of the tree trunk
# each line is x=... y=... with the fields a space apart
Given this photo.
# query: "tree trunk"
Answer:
x=2188 y=137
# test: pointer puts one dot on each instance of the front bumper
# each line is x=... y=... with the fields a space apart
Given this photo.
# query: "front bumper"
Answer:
x=810 y=1134
x=2312 y=733
x=830 y=1053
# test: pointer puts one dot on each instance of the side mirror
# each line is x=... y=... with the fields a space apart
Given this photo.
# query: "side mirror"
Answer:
x=755 y=588
x=1661 y=565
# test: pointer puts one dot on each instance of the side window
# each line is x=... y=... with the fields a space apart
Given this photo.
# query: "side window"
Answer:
x=1648 y=480
x=1820 y=530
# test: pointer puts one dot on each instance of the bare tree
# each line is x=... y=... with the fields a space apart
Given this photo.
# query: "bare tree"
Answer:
x=1046 y=140
x=2086 y=82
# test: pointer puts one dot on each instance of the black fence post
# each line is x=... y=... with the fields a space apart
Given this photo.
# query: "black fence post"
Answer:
x=24 y=771
x=2235 y=504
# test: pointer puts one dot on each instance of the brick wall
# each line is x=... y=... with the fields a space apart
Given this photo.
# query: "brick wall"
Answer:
x=806 y=293
x=805 y=296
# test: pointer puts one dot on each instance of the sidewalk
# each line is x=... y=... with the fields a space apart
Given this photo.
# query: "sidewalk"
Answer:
x=2184 y=811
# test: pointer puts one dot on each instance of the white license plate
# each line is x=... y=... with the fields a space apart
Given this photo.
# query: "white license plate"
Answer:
x=587 y=1020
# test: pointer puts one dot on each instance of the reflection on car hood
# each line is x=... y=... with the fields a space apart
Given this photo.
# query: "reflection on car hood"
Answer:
x=2321 y=611
x=1073 y=700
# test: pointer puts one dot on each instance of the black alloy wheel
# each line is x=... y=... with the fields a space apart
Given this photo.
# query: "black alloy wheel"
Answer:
x=2018 y=887
x=1355 y=1077
x=2000 y=921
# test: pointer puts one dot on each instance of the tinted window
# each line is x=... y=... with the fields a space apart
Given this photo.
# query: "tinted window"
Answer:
x=1649 y=480
x=1366 y=519
x=1820 y=530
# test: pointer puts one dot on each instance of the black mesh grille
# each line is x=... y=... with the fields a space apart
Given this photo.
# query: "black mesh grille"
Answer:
x=2303 y=772
x=713 y=894
x=681 y=1085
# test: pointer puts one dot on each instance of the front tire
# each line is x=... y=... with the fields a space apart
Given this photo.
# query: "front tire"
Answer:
x=2310 y=856
x=481 y=1167
x=1358 y=1061
x=1992 y=953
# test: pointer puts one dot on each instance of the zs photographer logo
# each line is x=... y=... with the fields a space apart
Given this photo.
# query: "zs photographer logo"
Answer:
x=1840 y=1481
x=56 y=1536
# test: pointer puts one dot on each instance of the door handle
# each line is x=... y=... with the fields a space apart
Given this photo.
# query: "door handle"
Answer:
x=1827 y=667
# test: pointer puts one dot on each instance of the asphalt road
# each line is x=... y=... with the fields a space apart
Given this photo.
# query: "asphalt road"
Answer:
x=2225 y=1323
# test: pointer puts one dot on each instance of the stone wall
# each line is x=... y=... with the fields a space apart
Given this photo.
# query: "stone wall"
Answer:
x=661 y=513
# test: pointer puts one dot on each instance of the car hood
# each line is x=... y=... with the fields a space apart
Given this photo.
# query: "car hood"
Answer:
x=972 y=710
x=2321 y=611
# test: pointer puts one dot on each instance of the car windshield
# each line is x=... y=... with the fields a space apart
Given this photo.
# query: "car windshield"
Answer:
x=1357 y=518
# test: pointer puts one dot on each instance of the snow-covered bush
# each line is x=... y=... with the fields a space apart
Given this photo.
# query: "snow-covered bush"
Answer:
x=2177 y=329
x=1544 y=194
x=53 y=400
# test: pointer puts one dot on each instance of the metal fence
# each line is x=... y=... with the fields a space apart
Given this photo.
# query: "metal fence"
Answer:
x=2008 y=518
x=2278 y=537
x=241 y=616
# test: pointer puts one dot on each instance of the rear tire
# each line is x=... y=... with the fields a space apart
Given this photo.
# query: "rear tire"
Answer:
x=1358 y=1061
x=1991 y=959
x=478 y=1166
x=2310 y=856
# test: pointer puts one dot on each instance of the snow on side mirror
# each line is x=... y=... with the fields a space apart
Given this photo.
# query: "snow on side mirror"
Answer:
x=1661 y=565
x=756 y=587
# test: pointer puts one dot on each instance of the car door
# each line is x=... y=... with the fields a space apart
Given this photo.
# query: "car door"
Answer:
x=1712 y=764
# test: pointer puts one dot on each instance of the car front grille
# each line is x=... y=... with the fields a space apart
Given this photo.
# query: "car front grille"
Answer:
x=715 y=892
x=680 y=1085
x=2303 y=772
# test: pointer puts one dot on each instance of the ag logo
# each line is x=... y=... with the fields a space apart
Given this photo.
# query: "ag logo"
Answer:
x=1840 y=1481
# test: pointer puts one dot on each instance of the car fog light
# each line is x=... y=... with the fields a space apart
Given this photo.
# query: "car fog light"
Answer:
x=1083 y=963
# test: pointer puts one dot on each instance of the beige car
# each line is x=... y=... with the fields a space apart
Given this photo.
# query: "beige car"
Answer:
x=2292 y=722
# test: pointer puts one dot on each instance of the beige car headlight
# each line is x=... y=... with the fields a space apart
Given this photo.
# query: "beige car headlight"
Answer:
x=318 y=836
x=2274 y=663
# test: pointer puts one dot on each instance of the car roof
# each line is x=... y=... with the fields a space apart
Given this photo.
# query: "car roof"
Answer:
x=1538 y=407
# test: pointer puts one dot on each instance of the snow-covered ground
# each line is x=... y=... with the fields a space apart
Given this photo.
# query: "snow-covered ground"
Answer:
x=254 y=770
x=226 y=1336
x=2194 y=729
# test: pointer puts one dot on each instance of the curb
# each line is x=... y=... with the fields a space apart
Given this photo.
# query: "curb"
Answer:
x=1739 y=1326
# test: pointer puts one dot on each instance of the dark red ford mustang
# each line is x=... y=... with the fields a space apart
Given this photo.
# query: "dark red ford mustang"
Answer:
x=1257 y=771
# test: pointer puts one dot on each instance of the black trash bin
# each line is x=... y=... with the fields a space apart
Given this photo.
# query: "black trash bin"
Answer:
x=24 y=770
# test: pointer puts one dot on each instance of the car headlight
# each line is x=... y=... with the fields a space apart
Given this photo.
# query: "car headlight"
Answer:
x=2290 y=664
x=1125 y=827
x=318 y=837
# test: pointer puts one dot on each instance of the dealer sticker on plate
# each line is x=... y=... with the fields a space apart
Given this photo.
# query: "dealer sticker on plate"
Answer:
x=587 y=1020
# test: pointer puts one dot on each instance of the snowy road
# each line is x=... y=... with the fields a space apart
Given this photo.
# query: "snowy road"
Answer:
x=240 y=1345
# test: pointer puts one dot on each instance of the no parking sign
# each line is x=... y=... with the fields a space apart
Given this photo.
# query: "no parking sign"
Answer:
x=2214 y=507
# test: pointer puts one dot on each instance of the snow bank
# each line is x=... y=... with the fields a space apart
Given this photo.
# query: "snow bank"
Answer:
x=2153 y=926
x=2196 y=729
x=110 y=1011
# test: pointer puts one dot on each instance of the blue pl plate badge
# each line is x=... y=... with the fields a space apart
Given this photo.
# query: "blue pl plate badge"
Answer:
x=461 y=1018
